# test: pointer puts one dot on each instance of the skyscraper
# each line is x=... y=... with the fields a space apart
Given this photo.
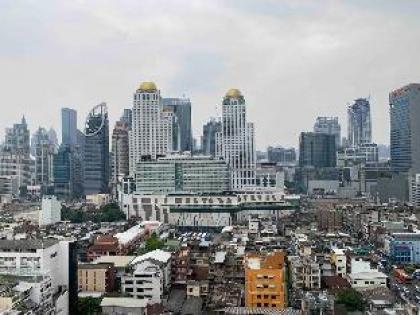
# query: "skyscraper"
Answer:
x=359 y=123
x=404 y=110
x=317 y=150
x=17 y=138
x=120 y=152
x=15 y=158
x=182 y=136
x=96 y=151
x=43 y=151
x=68 y=126
x=237 y=142
x=127 y=117
x=208 y=140
x=330 y=126
x=151 y=132
x=68 y=172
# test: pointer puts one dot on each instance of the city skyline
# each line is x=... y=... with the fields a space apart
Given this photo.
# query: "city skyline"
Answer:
x=334 y=51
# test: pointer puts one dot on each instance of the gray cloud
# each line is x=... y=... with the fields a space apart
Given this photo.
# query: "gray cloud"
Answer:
x=293 y=60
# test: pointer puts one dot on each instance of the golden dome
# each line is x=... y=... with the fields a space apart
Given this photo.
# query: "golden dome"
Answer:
x=233 y=93
x=147 y=86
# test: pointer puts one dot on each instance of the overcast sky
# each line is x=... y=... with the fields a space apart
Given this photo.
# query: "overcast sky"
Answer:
x=292 y=59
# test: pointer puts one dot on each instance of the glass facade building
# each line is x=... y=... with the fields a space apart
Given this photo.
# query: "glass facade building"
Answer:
x=317 y=150
x=182 y=134
x=359 y=123
x=96 y=151
x=404 y=107
x=208 y=140
x=68 y=126
x=176 y=174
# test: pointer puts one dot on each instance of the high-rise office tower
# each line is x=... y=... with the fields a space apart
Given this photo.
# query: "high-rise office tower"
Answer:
x=43 y=152
x=68 y=172
x=317 y=150
x=182 y=136
x=96 y=151
x=359 y=123
x=404 y=110
x=151 y=131
x=17 y=138
x=127 y=117
x=208 y=140
x=120 y=153
x=15 y=158
x=68 y=126
x=330 y=126
x=237 y=142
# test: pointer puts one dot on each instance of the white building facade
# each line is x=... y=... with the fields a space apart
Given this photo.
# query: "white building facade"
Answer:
x=236 y=141
x=151 y=133
x=50 y=212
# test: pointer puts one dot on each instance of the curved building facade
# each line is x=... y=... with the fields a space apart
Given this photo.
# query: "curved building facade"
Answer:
x=96 y=153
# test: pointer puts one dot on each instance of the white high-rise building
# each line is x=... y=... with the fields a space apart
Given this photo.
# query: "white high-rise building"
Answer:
x=50 y=212
x=235 y=142
x=151 y=133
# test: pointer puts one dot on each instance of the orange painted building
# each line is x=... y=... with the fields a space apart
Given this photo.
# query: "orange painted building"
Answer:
x=265 y=280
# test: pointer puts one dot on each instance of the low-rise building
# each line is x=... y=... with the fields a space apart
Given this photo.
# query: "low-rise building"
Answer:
x=370 y=279
x=96 y=277
x=265 y=280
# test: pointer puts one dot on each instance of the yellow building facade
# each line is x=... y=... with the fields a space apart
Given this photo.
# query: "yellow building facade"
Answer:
x=265 y=280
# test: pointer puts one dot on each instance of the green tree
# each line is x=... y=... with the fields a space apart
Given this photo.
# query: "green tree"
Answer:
x=89 y=306
x=351 y=299
x=153 y=242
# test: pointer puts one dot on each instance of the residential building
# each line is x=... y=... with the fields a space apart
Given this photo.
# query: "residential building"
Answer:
x=265 y=280
x=96 y=277
x=237 y=141
x=369 y=279
x=281 y=155
x=359 y=122
x=404 y=108
x=50 y=212
x=330 y=126
x=68 y=126
x=317 y=150
x=120 y=153
x=182 y=173
x=8 y=187
x=151 y=133
x=123 y=305
x=208 y=139
x=339 y=262
x=43 y=259
x=96 y=151
x=150 y=277
x=330 y=220
x=16 y=165
x=182 y=134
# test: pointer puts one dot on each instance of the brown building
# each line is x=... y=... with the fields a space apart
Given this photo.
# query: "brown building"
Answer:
x=265 y=280
x=96 y=277
x=330 y=220
x=103 y=245
x=181 y=270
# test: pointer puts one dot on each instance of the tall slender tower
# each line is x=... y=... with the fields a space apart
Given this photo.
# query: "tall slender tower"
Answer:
x=359 y=123
x=237 y=144
x=120 y=161
x=96 y=151
x=151 y=130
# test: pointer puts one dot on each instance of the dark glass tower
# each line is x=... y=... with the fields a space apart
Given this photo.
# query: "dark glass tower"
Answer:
x=96 y=151
x=317 y=150
x=404 y=108
x=68 y=126
x=181 y=107
x=208 y=140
